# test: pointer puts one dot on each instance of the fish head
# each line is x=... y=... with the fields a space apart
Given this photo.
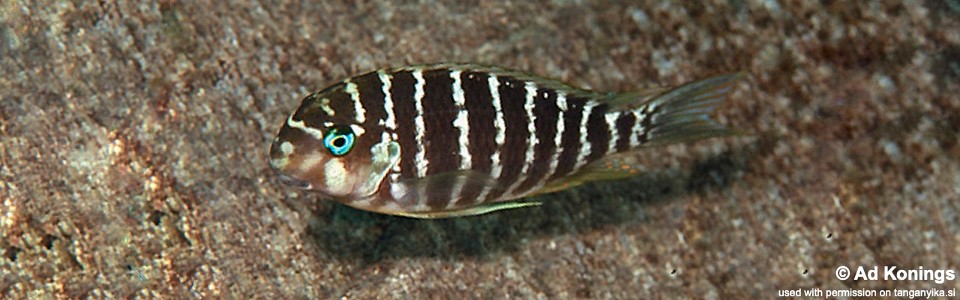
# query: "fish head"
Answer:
x=317 y=151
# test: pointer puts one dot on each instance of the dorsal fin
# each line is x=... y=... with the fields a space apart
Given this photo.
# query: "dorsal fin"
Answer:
x=543 y=82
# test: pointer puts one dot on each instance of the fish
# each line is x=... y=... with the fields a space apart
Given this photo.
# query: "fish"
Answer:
x=458 y=139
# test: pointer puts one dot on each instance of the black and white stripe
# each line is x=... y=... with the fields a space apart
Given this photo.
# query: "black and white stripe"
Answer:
x=584 y=142
x=624 y=126
x=530 y=96
x=611 y=123
x=499 y=138
x=483 y=133
x=389 y=120
x=420 y=159
x=598 y=134
x=637 y=130
x=512 y=93
x=570 y=143
x=462 y=123
x=548 y=126
x=561 y=103
x=401 y=93
x=441 y=141
x=360 y=112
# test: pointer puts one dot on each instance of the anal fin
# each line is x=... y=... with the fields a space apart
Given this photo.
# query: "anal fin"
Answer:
x=615 y=166
x=420 y=191
x=471 y=211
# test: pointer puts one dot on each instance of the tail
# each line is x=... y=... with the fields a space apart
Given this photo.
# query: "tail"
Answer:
x=683 y=114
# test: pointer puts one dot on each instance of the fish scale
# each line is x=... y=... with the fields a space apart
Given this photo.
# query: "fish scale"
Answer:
x=450 y=140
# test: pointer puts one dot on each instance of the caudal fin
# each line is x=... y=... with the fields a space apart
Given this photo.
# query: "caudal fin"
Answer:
x=683 y=114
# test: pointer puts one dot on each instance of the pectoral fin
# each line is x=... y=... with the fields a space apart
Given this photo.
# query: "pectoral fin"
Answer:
x=439 y=187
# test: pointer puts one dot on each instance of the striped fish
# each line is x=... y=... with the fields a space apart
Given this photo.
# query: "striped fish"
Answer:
x=449 y=140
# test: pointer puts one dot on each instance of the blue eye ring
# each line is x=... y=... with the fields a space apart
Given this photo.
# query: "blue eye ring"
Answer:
x=339 y=141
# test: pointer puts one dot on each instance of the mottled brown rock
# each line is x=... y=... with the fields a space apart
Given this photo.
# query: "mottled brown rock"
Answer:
x=134 y=139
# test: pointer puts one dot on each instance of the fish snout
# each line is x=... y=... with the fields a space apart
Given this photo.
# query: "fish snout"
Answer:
x=279 y=160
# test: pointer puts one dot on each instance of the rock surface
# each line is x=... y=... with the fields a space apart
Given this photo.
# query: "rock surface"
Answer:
x=135 y=136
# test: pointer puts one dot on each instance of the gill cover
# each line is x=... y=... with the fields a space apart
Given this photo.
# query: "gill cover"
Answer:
x=383 y=156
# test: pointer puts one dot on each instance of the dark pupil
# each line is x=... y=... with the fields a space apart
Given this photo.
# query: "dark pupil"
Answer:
x=339 y=141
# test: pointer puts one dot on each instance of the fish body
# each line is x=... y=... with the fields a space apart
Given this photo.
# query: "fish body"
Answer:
x=450 y=140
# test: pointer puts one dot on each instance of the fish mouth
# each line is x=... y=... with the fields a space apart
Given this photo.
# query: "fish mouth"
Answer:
x=297 y=183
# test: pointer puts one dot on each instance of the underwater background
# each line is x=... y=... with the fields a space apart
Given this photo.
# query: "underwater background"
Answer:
x=134 y=139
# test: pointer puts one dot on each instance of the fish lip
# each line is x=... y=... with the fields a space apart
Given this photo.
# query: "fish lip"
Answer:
x=295 y=182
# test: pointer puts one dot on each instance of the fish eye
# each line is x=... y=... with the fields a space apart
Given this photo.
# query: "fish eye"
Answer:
x=339 y=140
